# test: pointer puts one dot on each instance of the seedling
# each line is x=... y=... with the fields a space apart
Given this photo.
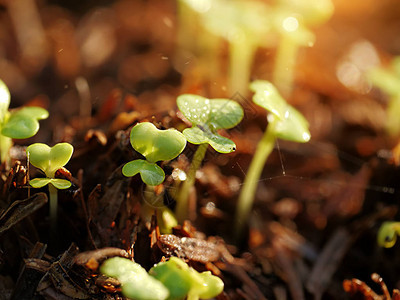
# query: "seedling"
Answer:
x=183 y=281
x=246 y=26
x=207 y=117
x=155 y=145
x=291 y=18
x=388 y=80
x=16 y=124
x=243 y=24
x=135 y=282
x=387 y=234
x=284 y=122
x=49 y=160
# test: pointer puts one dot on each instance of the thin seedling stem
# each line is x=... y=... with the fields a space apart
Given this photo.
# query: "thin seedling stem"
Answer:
x=53 y=195
x=248 y=191
x=183 y=195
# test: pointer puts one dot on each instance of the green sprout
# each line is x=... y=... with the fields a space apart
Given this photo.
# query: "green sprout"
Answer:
x=207 y=117
x=183 y=281
x=49 y=160
x=20 y=123
x=388 y=80
x=284 y=122
x=155 y=145
x=171 y=280
x=136 y=283
x=291 y=18
x=387 y=234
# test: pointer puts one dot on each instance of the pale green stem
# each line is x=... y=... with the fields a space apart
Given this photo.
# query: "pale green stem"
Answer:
x=285 y=59
x=192 y=297
x=5 y=145
x=248 y=191
x=186 y=26
x=183 y=194
x=393 y=112
x=53 y=194
x=240 y=63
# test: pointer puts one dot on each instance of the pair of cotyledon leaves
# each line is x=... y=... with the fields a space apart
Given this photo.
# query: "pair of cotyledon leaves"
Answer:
x=207 y=117
x=290 y=124
x=172 y=280
x=49 y=160
x=20 y=123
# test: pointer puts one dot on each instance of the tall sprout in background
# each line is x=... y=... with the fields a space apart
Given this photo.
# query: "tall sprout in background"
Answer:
x=246 y=27
x=284 y=122
x=291 y=19
x=244 y=24
x=388 y=80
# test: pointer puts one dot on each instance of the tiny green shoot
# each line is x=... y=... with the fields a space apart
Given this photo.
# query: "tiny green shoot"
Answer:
x=136 y=283
x=171 y=280
x=388 y=80
x=284 y=122
x=20 y=123
x=207 y=117
x=183 y=281
x=155 y=145
x=387 y=234
x=49 y=160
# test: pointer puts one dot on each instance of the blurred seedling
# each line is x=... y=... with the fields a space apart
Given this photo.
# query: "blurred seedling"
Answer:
x=245 y=25
x=207 y=117
x=387 y=234
x=184 y=282
x=49 y=160
x=135 y=282
x=284 y=122
x=19 y=123
x=291 y=19
x=388 y=80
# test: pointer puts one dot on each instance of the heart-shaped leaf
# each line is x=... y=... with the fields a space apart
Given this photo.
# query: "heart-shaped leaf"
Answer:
x=290 y=124
x=39 y=182
x=207 y=116
x=155 y=144
x=150 y=173
x=23 y=123
x=216 y=113
x=60 y=184
x=268 y=97
x=4 y=100
x=294 y=127
x=197 y=135
x=136 y=283
x=49 y=159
